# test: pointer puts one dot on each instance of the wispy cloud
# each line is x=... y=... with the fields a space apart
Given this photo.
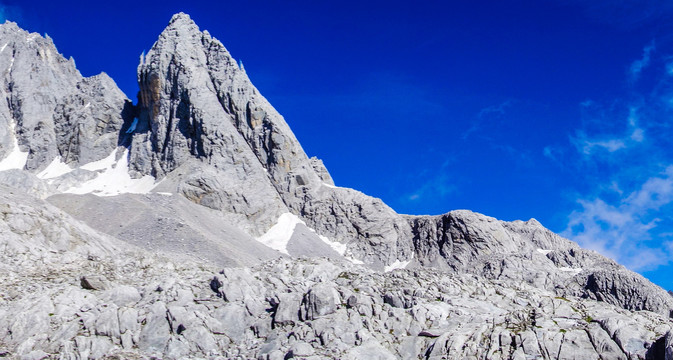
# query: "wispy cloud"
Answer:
x=433 y=187
x=623 y=152
x=596 y=143
x=639 y=65
x=624 y=230
x=487 y=114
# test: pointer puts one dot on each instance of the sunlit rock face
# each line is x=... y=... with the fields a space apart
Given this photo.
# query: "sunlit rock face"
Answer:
x=193 y=225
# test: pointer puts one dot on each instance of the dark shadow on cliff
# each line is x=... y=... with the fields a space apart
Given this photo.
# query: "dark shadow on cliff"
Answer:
x=134 y=122
x=658 y=350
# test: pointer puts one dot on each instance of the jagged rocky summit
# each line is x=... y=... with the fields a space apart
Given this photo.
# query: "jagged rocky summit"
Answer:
x=194 y=225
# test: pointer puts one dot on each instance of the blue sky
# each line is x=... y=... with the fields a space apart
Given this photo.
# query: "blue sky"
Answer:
x=554 y=109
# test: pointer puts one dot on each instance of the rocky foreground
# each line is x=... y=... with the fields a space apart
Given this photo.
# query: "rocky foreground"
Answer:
x=70 y=292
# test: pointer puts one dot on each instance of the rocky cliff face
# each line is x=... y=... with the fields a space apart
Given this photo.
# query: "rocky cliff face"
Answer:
x=50 y=109
x=117 y=220
x=466 y=242
x=199 y=109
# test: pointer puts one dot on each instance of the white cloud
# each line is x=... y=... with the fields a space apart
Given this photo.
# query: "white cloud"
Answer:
x=638 y=135
x=623 y=229
x=610 y=143
x=625 y=169
x=639 y=65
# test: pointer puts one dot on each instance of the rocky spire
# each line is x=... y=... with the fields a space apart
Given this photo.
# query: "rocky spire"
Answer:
x=198 y=108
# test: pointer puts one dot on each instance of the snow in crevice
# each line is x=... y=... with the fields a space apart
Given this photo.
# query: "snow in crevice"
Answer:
x=569 y=269
x=113 y=179
x=16 y=159
x=3 y=48
x=334 y=186
x=544 y=252
x=336 y=246
x=340 y=248
x=55 y=169
x=397 y=265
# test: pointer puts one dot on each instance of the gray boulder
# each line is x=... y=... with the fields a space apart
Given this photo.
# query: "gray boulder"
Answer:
x=320 y=300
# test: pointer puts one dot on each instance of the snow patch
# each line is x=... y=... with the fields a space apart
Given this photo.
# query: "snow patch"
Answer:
x=397 y=265
x=279 y=235
x=55 y=169
x=569 y=269
x=544 y=252
x=334 y=186
x=114 y=178
x=340 y=248
x=3 y=48
x=11 y=64
x=16 y=159
x=87 y=105
x=164 y=193
x=101 y=164
x=336 y=246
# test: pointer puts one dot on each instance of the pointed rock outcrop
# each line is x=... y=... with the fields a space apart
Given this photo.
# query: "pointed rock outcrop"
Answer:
x=199 y=110
x=51 y=110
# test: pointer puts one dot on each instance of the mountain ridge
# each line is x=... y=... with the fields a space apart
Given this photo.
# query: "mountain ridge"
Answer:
x=203 y=166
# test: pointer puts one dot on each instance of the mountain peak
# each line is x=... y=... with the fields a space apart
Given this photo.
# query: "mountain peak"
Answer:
x=181 y=25
x=181 y=16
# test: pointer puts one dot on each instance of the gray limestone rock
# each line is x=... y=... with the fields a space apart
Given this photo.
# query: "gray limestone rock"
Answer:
x=287 y=309
x=93 y=282
x=320 y=300
x=88 y=122
x=155 y=332
x=51 y=109
x=467 y=242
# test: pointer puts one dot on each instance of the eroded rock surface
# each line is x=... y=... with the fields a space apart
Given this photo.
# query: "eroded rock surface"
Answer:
x=466 y=242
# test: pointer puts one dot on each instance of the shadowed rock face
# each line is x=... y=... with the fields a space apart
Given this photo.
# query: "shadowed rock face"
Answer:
x=466 y=242
x=137 y=274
